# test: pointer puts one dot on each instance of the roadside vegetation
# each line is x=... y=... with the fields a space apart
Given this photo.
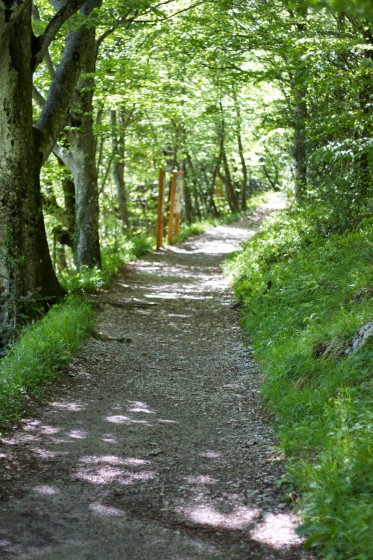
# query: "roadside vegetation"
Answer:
x=306 y=291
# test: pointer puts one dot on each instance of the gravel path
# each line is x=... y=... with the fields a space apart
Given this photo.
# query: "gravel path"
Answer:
x=155 y=446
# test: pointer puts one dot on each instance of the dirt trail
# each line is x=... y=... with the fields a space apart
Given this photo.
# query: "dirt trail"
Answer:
x=155 y=447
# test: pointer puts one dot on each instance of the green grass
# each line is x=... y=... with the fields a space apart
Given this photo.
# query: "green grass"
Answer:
x=35 y=360
x=305 y=297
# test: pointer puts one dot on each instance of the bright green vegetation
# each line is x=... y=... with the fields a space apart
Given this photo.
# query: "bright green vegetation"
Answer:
x=92 y=279
x=305 y=295
x=35 y=360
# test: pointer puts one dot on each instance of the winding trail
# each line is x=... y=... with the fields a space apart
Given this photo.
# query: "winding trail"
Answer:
x=155 y=447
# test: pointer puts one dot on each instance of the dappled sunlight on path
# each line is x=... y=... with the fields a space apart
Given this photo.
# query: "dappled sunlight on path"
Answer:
x=155 y=446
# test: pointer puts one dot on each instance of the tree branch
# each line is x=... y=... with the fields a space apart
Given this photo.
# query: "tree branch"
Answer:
x=63 y=155
x=42 y=43
x=37 y=97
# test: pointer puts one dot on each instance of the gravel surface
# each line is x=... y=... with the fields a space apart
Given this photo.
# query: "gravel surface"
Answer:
x=155 y=445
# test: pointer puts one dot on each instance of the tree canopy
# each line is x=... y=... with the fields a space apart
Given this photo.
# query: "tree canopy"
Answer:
x=243 y=95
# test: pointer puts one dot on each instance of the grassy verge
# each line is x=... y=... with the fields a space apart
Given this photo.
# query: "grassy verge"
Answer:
x=34 y=361
x=305 y=297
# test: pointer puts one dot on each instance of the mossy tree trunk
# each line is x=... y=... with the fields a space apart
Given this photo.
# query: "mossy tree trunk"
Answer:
x=27 y=276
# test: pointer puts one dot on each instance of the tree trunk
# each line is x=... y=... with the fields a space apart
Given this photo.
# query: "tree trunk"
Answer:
x=299 y=88
x=365 y=160
x=118 y=144
x=27 y=277
x=190 y=194
x=300 y=150
x=229 y=187
x=84 y=170
x=244 y=184
x=211 y=191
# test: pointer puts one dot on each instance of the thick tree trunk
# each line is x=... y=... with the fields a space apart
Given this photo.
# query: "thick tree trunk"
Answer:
x=27 y=277
x=87 y=245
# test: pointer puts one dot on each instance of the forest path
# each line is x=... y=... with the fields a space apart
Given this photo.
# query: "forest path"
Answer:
x=155 y=446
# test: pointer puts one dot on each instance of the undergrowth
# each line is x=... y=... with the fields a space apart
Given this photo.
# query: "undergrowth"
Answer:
x=113 y=257
x=305 y=297
x=34 y=361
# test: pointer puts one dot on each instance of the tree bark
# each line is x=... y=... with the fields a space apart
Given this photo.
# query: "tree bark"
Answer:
x=82 y=162
x=118 y=146
x=244 y=184
x=27 y=277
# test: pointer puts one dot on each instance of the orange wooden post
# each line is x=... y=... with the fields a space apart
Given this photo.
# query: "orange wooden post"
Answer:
x=160 y=223
x=172 y=204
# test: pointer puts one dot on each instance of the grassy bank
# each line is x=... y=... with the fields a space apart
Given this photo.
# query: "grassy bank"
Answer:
x=34 y=361
x=305 y=297
x=92 y=279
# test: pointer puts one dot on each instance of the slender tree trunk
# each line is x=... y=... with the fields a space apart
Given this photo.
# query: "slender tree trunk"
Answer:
x=299 y=88
x=226 y=176
x=84 y=170
x=365 y=161
x=227 y=179
x=244 y=184
x=118 y=146
x=300 y=138
x=211 y=191
x=193 y=193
